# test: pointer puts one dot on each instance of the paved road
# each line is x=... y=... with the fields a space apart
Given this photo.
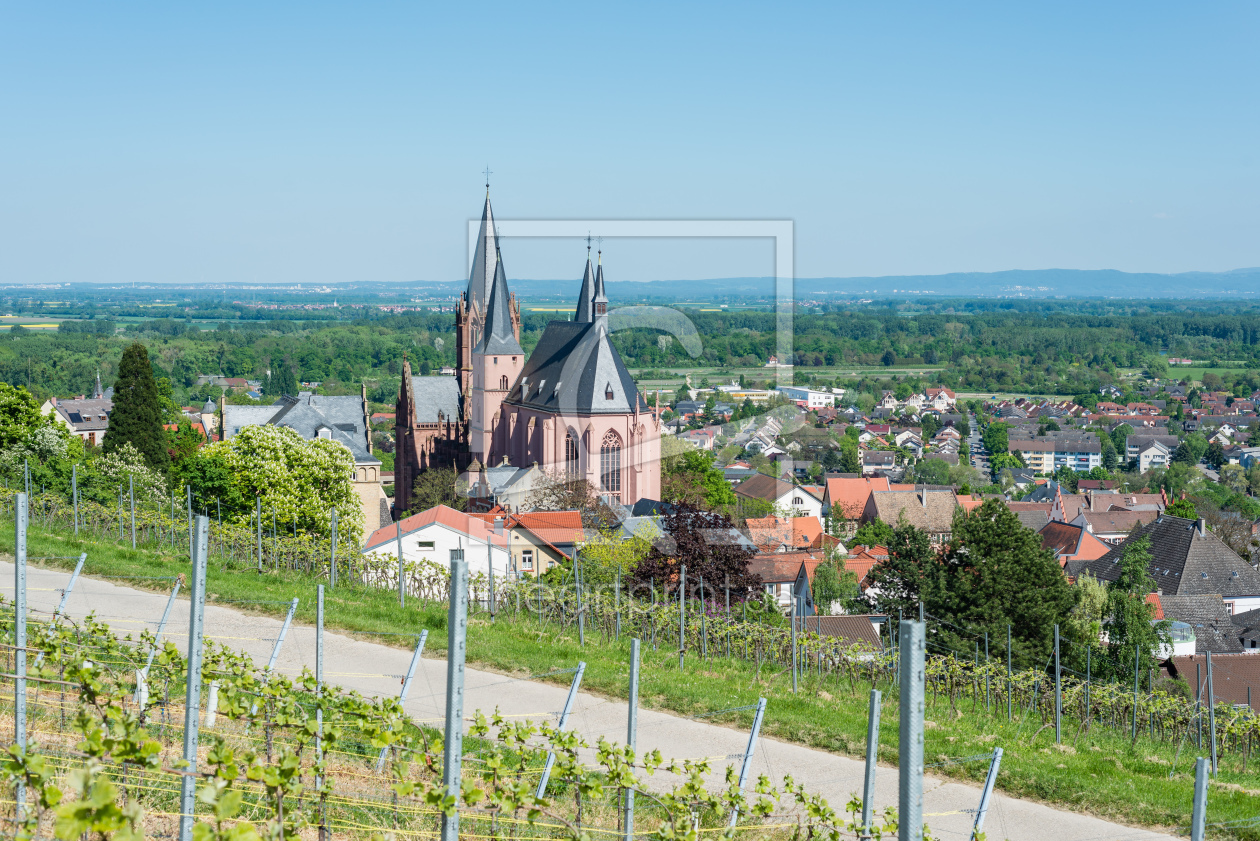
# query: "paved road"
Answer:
x=375 y=669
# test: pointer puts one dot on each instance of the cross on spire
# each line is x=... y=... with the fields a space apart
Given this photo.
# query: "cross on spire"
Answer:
x=488 y=173
x=600 y=242
x=588 y=243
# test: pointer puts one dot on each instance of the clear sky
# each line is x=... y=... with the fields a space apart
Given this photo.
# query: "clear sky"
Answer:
x=319 y=142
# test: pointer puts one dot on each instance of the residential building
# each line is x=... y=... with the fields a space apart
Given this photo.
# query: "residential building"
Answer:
x=1209 y=617
x=1150 y=451
x=780 y=495
x=85 y=417
x=1047 y=453
x=538 y=540
x=807 y=398
x=787 y=534
x=431 y=535
x=787 y=575
x=879 y=462
x=929 y=510
x=1071 y=542
x=1186 y=560
x=343 y=419
x=845 y=499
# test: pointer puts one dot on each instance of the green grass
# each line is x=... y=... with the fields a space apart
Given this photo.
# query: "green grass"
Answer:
x=1099 y=772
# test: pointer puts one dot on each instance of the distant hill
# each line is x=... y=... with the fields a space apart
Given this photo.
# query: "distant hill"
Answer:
x=1036 y=283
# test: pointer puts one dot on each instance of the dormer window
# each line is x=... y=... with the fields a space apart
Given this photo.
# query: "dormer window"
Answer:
x=323 y=432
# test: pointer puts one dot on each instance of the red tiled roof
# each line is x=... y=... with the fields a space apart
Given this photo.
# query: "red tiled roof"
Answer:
x=850 y=495
x=783 y=566
x=769 y=533
x=1153 y=599
x=468 y=524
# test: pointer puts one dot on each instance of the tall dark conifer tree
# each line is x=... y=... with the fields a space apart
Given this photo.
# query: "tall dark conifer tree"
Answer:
x=137 y=415
x=282 y=380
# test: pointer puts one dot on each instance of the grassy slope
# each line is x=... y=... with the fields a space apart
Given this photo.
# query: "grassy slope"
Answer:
x=1102 y=774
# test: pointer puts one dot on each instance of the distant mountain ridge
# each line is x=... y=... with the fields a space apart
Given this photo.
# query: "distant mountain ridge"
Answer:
x=1027 y=283
x=1033 y=283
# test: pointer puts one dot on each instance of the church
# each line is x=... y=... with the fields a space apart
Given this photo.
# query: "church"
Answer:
x=570 y=407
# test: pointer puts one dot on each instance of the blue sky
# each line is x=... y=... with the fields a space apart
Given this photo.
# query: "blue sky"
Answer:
x=317 y=143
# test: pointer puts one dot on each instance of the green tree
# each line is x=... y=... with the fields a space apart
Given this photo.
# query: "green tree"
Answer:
x=434 y=487
x=137 y=415
x=1110 y=460
x=1131 y=631
x=994 y=573
x=850 y=457
x=1215 y=455
x=1182 y=508
x=996 y=438
x=283 y=380
x=1120 y=437
x=874 y=533
x=1183 y=455
x=692 y=477
x=903 y=580
x=836 y=589
x=300 y=480
x=19 y=415
x=929 y=427
x=932 y=471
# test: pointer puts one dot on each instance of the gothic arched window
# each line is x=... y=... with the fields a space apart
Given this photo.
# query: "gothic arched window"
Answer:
x=503 y=383
x=610 y=464
x=570 y=455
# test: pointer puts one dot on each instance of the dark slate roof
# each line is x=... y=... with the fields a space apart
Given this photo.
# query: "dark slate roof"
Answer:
x=586 y=297
x=498 y=335
x=307 y=414
x=572 y=369
x=764 y=487
x=435 y=395
x=1183 y=561
x=1247 y=619
x=485 y=260
x=1035 y=520
x=342 y=416
x=1210 y=619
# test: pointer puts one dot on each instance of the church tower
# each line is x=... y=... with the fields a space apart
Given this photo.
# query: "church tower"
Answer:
x=497 y=361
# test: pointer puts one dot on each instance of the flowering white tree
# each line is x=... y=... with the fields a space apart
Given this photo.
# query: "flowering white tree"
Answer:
x=301 y=480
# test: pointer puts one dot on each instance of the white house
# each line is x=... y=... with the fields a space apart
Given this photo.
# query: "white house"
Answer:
x=807 y=397
x=431 y=535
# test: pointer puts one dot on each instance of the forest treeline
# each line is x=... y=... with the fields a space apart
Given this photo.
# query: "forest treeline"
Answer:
x=1051 y=352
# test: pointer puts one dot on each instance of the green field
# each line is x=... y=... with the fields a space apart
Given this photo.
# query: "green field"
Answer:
x=1100 y=771
x=720 y=376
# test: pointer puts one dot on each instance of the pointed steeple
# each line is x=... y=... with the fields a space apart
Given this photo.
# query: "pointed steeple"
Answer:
x=599 y=304
x=586 y=298
x=498 y=336
x=485 y=258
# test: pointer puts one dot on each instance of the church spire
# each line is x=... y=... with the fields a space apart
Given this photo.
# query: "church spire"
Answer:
x=485 y=259
x=498 y=335
x=586 y=298
x=599 y=303
x=100 y=392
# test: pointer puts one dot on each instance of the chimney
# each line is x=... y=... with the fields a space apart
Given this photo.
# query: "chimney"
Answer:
x=1201 y=527
x=923 y=496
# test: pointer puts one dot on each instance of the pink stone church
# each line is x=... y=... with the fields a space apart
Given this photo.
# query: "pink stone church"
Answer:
x=570 y=408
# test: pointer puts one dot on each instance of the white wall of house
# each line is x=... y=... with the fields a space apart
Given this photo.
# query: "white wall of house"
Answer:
x=801 y=503
x=435 y=541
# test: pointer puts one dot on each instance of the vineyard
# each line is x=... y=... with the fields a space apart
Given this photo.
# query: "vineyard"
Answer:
x=283 y=756
x=712 y=634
